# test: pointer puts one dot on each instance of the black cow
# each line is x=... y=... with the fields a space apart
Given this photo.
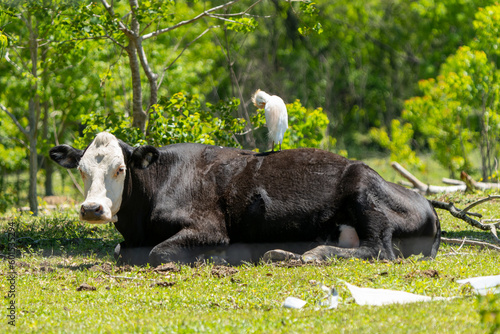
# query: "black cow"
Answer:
x=184 y=202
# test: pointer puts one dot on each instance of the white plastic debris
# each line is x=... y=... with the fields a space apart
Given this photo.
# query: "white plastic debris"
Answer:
x=378 y=297
x=331 y=300
x=483 y=284
x=294 y=302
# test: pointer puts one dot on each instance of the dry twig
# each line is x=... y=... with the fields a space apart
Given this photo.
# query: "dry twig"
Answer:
x=465 y=215
x=481 y=244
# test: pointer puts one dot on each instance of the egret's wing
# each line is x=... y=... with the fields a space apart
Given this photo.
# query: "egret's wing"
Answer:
x=275 y=115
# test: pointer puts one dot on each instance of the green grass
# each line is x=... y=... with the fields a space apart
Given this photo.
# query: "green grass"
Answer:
x=57 y=254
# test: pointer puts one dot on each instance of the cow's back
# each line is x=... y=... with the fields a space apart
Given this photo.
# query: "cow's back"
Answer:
x=289 y=195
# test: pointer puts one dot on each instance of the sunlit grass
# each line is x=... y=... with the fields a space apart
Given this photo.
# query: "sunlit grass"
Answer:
x=57 y=254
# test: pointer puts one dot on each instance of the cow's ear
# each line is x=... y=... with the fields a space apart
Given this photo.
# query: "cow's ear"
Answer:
x=66 y=156
x=144 y=156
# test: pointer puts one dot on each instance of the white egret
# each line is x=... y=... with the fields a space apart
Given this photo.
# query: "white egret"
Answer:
x=276 y=115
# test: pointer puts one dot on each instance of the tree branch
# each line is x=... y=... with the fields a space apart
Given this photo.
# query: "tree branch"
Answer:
x=481 y=244
x=424 y=188
x=465 y=215
x=14 y=119
x=480 y=201
x=10 y=61
x=471 y=183
x=180 y=24
x=111 y=13
x=180 y=54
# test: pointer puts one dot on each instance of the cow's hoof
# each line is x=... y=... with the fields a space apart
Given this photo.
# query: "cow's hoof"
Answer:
x=156 y=259
x=277 y=255
x=318 y=254
x=311 y=258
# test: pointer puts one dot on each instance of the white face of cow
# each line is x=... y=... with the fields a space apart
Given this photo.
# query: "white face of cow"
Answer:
x=103 y=171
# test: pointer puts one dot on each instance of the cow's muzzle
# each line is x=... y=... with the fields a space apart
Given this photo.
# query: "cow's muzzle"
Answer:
x=91 y=212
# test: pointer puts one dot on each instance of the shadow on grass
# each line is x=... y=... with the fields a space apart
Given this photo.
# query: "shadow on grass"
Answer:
x=473 y=235
x=59 y=234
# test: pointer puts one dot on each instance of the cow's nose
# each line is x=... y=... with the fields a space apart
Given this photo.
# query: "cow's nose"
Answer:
x=91 y=211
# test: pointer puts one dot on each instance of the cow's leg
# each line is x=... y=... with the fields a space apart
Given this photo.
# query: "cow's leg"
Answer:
x=188 y=246
x=132 y=255
x=325 y=252
x=374 y=248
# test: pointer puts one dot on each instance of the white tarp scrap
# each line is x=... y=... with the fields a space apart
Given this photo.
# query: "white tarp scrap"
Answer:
x=329 y=301
x=294 y=302
x=483 y=284
x=378 y=297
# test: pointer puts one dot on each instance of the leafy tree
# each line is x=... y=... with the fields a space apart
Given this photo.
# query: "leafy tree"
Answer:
x=51 y=72
x=26 y=64
x=399 y=144
x=307 y=128
x=178 y=119
x=130 y=27
x=360 y=64
x=182 y=118
x=458 y=109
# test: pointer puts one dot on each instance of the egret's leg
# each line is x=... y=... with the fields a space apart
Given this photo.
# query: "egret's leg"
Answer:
x=272 y=147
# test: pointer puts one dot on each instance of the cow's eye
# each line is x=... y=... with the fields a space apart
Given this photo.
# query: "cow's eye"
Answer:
x=120 y=170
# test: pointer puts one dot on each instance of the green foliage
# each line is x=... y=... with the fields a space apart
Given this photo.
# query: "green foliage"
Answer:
x=459 y=109
x=399 y=143
x=178 y=119
x=487 y=28
x=3 y=43
x=310 y=19
x=364 y=58
x=366 y=61
x=7 y=201
x=182 y=119
x=116 y=123
x=245 y=24
x=307 y=127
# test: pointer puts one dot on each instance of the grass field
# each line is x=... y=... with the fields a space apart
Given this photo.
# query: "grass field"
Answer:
x=67 y=282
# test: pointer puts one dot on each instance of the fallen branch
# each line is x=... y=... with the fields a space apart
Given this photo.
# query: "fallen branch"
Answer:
x=477 y=185
x=424 y=188
x=467 y=183
x=481 y=244
x=465 y=215
x=452 y=182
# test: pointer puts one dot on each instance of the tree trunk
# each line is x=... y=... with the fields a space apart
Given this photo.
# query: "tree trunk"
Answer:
x=152 y=77
x=18 y=187
x=32 y=194
x=46 y=162
x=32 y=121
x=249 y=138
x=138 y=114
x=49 y=171
x=140 y=117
